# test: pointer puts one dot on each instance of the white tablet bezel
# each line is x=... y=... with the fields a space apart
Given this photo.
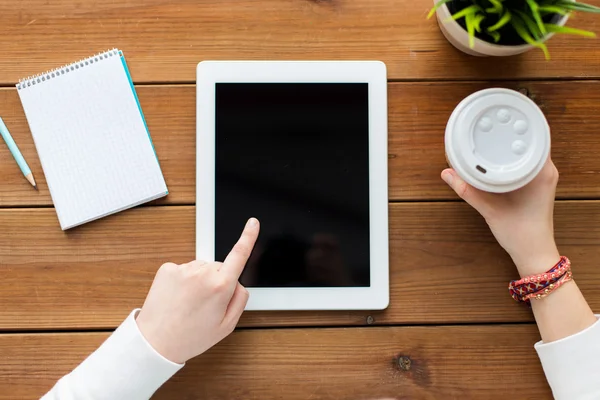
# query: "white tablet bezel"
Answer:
x=374 y=297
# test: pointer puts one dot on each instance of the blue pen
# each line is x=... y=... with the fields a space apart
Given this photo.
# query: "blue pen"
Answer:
x=12 y=146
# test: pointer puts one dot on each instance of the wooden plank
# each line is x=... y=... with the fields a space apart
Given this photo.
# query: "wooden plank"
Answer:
x=445 y=267
x=417 y=117
x=451 y=362
x=163 y=41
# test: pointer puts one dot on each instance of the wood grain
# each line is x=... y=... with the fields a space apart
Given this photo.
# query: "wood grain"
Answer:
x=164 y=40
x=359 y=363
x=418 y=113
x=441 y=253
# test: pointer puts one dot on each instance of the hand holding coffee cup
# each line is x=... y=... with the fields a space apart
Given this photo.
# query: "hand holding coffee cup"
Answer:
x=522 y=219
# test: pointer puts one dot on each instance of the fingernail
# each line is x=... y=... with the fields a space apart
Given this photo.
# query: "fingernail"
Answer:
x=447 y=177
x=252 y=222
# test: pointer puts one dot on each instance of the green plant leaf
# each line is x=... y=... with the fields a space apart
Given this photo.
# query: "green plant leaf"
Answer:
x=471 y=10
x=570 y=31
x=554 y=10
x=470 y=29
x=477 y=22
x=530 y=25
x=497 y=4
x=435 y=8
x=573 y=6
x=495 y=35
x=536 y=16
x=496 y=9
x=521 y=30
x=501 y=22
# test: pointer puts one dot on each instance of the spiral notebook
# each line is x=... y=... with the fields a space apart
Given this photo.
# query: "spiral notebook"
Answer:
x=92 y=139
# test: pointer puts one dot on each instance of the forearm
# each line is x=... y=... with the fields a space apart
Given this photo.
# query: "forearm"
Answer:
x=562 y=314
x=125 y=367
x=570 y=346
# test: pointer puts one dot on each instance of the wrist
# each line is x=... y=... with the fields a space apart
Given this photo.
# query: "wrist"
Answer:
x=537 y=261
x=158 y=339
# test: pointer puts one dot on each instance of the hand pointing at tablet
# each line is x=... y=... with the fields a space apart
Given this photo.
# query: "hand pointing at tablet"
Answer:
x=191 y=307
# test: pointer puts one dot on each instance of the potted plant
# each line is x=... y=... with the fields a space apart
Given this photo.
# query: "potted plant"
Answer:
x=506 y=27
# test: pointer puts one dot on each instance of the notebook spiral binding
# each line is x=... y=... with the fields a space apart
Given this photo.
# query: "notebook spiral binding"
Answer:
x=65 y=69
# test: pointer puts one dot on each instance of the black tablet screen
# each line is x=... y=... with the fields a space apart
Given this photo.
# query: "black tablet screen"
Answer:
x=295 y=155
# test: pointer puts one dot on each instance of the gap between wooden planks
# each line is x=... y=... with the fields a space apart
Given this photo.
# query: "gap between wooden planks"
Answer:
x=163 y=41
x=452 y=362
x=418 y=113
x=440 y=254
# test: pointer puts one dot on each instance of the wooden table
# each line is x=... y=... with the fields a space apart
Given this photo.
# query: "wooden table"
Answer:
x=61 y=293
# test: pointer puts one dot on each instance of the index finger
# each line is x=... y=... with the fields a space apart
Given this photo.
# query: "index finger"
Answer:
x=238 y=256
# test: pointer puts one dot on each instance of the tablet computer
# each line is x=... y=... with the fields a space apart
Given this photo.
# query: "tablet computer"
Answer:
x=302 y=146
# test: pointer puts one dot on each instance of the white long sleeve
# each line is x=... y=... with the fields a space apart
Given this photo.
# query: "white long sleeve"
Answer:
x=125 y=367
x=572 y=364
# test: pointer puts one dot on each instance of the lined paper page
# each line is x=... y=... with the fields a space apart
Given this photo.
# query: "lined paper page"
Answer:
x=93 y=144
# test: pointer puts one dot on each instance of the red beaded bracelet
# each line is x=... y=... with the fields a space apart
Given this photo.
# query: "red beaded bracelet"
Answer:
x=551 y=288
x=540 y=285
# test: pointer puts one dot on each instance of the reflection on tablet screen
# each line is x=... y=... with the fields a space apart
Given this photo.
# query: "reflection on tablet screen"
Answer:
x=295 y=155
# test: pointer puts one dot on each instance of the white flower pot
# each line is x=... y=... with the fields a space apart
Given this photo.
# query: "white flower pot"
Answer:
x=459 y=37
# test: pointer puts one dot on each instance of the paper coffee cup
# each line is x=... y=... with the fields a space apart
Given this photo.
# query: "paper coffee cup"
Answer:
x=497 y=140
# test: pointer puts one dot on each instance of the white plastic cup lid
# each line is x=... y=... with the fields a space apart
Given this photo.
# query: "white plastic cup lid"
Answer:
x=497 y=140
